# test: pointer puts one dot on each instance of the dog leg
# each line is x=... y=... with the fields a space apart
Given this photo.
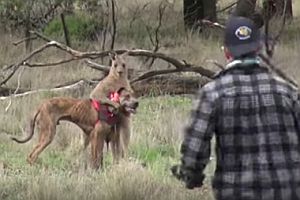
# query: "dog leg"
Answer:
x=46 y=136
x=115 y=146
x=86 y=140
x=97 y=145
x=124 y=132
x=38 y=149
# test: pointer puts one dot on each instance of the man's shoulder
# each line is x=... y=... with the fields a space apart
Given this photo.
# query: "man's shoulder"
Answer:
x=279 y=80
x=219 y=83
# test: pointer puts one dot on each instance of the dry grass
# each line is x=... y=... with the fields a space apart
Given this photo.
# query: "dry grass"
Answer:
x=156 y=130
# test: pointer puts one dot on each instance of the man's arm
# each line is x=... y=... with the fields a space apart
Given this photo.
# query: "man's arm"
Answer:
x=196 y=148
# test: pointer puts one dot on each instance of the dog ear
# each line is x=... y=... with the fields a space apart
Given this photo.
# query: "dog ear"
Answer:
x=112 y=55
x=121 y=90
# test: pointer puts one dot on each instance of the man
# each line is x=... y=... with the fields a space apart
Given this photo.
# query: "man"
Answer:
x=255 y=118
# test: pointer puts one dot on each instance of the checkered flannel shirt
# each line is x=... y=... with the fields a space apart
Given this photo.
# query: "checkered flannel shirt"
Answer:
x=255 y=118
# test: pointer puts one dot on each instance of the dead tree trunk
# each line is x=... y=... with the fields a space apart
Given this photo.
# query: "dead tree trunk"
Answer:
x=197 y=10
x=210 y=10
x=278 y=8
x=247 y=8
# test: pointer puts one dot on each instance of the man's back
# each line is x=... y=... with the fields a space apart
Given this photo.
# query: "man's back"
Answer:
x=257 y=142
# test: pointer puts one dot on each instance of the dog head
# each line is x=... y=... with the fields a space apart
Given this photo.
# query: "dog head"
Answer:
x=128 y=103
x=118 y=65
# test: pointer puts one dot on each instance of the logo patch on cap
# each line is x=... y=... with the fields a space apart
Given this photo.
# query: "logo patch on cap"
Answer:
x=243 y=32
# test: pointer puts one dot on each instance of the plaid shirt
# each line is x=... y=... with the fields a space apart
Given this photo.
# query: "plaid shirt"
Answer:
x=255 y=117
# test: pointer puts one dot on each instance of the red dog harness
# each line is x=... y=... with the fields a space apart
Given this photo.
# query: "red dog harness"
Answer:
x=104 y=113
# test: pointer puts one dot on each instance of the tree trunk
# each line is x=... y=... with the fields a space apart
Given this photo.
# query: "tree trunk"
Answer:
x=247 y=8
x=196 y=10
x=210 y=10
x=276 y=8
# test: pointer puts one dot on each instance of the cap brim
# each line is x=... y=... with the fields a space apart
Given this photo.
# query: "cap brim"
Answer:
x=239 y=50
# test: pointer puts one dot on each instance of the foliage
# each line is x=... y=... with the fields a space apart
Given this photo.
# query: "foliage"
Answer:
x=16 y=13
x=80 y=26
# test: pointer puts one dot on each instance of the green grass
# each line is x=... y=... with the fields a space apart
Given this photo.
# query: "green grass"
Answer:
x=61 y=173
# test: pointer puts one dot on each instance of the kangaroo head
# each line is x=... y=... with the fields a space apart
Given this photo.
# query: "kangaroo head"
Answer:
x=118 y=65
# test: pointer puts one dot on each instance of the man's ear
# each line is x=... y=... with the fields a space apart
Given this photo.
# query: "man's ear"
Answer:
x=227 y=54
x=112 y=55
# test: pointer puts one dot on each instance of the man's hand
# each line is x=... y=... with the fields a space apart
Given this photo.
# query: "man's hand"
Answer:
x=191 y=181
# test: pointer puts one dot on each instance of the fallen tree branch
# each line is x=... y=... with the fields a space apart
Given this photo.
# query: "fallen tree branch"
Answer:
x=153 y=73
x=97 y=66
x=216 y=63
x=169 y=84
x=277 y=71
x=17 y=89
x=76 y=55
x=40 y=35
x=24 y=40
x=32 y=65
x=76 y=85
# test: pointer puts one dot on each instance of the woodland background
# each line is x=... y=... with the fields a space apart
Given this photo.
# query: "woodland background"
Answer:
x=174 y=40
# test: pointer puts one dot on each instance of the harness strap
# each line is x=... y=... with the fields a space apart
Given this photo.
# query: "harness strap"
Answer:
x=96 y=105
x=113 y=96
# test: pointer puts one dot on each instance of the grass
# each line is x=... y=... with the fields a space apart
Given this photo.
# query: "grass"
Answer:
x=61 y=172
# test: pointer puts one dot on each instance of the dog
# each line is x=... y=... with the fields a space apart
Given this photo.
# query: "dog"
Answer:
x=117 y=78
x=92 y=116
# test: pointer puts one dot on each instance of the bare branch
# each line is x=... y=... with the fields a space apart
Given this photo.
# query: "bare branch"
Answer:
x=24 y=39
x=216 y=63
x=65 y=29
x=76 y=55
x=227 y=7
x=17 y=89
x=155 y=41
x=150 y=74
x=271 y=42
x=97 y=66
x=278 y=71
x=40 y=35
x=114 y=24
x=136 y=12
x=212 y=24
x=32 y=65
x=78 y=84
x=104 y=33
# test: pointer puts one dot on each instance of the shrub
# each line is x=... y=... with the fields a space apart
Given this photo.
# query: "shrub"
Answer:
x=80 y=27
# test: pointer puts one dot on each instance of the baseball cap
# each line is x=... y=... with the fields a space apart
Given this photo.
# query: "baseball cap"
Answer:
x=242 y=36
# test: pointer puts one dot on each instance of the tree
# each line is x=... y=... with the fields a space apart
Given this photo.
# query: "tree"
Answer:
x=271 y=8
x=196 y=10
x=278 y=8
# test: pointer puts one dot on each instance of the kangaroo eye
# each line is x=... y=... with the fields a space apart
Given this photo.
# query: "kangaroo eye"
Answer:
x=115 y=65
x=123 y=65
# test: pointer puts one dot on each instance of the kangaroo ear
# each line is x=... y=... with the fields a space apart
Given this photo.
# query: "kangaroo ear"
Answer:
x=112 y=55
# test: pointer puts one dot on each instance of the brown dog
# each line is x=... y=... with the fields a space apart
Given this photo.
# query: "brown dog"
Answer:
x=116 y=79
x=93 y=118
